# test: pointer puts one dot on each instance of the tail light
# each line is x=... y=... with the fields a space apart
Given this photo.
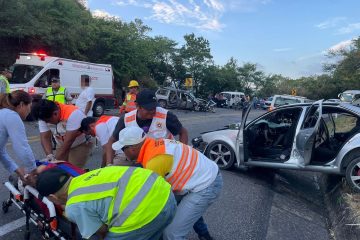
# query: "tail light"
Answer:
x=31 y=90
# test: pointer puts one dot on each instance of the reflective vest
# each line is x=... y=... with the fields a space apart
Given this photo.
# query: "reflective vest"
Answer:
x=3 y=78
x=138 y=195
x=58 y=96
x=129 y=102
x=59 y=130
x=158 y=125
x=191 y=170
x=103 y=119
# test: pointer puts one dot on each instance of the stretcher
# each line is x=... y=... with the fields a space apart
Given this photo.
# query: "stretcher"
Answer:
x=40 y=211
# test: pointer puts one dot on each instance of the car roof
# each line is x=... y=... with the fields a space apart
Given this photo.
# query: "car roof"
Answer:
x=291 y=96
x=232 y=92
x=174 y=89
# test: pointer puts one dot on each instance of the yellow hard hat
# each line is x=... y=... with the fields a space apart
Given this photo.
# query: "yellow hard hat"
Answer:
x=133 y=83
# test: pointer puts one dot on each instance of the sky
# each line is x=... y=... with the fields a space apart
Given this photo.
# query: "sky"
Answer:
x=288 y=37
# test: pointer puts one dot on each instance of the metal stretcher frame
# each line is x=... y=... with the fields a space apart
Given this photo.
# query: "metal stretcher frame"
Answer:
x=48 y=226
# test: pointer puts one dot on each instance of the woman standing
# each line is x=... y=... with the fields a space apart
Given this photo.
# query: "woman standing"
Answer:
x=15 y=107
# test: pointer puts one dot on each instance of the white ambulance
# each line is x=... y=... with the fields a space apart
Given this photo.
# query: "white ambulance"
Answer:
x=32 y=72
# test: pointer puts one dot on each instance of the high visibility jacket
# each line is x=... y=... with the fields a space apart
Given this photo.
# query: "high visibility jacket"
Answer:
x=129 y=103
x=138 y=195
x=59 y=130
x=3 y=78
x=158 y=125
x=58 y=96
x=191 y=170
x=102 y=119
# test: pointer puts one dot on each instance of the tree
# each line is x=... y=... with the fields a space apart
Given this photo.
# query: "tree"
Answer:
x=196 y=57
x=250 y=78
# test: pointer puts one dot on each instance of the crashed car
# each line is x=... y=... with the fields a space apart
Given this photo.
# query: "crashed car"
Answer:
x=321 y=137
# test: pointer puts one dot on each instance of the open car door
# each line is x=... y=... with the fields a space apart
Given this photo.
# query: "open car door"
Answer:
x=240 y=139
x=305 y=139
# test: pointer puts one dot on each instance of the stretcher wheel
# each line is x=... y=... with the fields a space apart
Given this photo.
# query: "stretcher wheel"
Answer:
x=5 y=207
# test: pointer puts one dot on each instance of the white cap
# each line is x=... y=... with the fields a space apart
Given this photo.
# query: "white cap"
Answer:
x=129 y=136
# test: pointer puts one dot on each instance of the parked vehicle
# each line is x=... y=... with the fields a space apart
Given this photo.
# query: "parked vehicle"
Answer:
x=267 y=103
x=322 y=137
x=233 y=99
x=280 y=100
x=349 y=96
x=32 y=73
x=168 y=97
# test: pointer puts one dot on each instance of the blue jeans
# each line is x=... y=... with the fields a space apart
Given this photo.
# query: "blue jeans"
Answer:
x=192 y=206
x=152 y=230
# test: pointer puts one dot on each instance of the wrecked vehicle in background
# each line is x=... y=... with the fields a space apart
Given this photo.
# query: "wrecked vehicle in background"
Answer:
x=168 y=97
x=322 y=137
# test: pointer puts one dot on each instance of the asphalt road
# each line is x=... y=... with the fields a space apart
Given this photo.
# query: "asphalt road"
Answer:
x=254 y=204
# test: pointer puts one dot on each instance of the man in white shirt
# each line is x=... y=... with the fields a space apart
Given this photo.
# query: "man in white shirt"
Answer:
x=63 y=122
x=86 y=98
x=103 y=129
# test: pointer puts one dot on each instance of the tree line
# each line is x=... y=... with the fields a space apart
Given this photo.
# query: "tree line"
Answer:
x=66 y=29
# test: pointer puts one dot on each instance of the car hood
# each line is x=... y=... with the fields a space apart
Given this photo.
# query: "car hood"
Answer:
x=233 y=126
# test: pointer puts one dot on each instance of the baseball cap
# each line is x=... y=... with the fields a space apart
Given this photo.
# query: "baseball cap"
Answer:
x=129 y=136
x=51 y=181
x=146 y=99
x=55 y=79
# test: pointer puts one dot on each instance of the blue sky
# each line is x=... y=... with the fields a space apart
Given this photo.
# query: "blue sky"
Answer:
x=287 y=37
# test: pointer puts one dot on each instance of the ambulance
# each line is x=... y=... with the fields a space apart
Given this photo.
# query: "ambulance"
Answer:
x=32 y=73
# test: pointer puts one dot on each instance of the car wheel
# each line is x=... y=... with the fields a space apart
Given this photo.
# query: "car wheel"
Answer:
x=98 y=109
x=221 y=153
x=162 y=103
x=352 y=174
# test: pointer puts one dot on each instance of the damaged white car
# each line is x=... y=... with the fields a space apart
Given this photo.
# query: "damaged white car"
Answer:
x=322 y=137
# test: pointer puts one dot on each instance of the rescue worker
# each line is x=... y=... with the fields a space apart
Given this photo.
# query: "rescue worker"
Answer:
x=157 y=122
x=63 y=122
x=194 y=178
x=102 y=129
x=5 y=75
x=57 y=93
x=115 y=202
x=130 y=98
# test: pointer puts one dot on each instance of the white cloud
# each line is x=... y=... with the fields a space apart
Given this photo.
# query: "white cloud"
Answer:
x=245 y=5
x=98 y=13
x=340 y=46
x=200 y=14
x=282 y=49
x=349 y=28
x=331 y=23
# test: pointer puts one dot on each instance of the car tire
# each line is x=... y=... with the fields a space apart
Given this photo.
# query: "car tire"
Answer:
x=98 y=109
x=352 y=174
x=162 y=103
x=221 y=151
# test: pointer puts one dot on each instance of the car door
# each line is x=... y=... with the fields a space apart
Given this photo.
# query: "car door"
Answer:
x=305 y=139
x=240 y=140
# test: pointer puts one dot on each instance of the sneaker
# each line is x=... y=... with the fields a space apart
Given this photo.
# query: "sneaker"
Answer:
x=205 y=236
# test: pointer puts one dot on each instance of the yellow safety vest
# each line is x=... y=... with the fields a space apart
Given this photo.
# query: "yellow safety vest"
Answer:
x=3 y=78
x=59 y=96
x=138 y=195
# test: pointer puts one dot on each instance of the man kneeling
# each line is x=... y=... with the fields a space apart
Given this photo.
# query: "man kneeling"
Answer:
x=114 y=202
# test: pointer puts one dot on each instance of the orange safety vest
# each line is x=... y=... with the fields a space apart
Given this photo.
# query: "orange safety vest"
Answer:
x=102 y=119
x=129 y=103
x=185 y=160
x=65 y=112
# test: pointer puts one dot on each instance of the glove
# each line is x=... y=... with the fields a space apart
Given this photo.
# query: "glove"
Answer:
x=50 y=157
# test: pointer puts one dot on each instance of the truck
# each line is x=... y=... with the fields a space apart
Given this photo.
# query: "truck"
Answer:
x=32 y=72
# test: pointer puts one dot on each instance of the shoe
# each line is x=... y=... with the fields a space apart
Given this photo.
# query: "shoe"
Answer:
x=205 y=236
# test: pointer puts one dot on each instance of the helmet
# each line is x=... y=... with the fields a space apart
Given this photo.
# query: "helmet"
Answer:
x=133 y=83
